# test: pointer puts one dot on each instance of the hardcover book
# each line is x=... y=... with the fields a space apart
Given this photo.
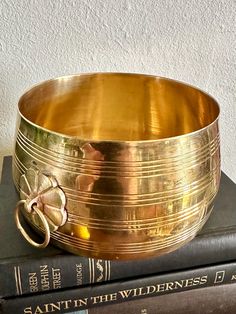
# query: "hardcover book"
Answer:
x=121 y=291
x=25 y=269
x=216 y=299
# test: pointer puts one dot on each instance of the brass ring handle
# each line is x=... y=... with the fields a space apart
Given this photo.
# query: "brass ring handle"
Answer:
x=24 y=233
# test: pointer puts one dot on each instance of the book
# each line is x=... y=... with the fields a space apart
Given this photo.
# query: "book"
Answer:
x=121 y=291
x=25 y=269
x=216 y=299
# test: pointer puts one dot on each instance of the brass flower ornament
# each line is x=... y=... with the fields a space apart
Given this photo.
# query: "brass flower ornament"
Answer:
x=44 y=201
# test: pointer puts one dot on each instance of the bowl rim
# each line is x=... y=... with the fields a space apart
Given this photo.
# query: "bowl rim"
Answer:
x=129 y=142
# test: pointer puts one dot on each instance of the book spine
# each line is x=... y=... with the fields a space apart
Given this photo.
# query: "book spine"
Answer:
x=103 y=294
x=52 y=273
x=67 y=271
x=215 y=299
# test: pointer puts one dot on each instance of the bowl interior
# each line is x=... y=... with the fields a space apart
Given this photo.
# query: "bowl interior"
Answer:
x=118 y=106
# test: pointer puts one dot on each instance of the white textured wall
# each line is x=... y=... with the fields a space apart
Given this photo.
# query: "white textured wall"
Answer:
x=192 y=41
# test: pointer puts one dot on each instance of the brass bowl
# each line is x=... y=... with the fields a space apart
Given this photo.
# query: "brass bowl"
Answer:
x=114 y=165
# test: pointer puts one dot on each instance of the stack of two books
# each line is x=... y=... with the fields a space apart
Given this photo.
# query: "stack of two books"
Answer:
x=197 y=278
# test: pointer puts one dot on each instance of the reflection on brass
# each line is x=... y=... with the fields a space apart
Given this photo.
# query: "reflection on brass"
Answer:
x=136 y=156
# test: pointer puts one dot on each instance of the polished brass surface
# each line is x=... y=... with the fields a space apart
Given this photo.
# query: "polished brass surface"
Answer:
x=44 y=202
x=136 y=156
x=120 y=107
x=42 y=220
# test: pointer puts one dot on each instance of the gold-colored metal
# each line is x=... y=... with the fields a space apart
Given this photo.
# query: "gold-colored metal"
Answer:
x=41 y=195
x=42 y=189
x=136 y=156
x=46 y=230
